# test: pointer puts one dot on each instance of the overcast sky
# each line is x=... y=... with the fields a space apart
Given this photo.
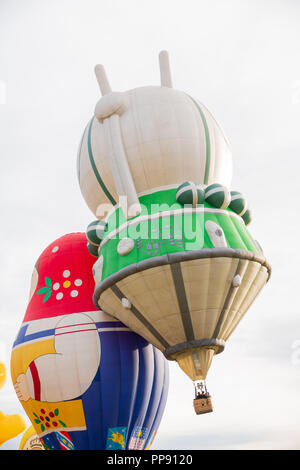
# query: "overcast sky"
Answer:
x=241 y=59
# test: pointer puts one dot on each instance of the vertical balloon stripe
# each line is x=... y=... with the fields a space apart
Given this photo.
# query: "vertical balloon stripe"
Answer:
x=110 y=374
x=207 y=141
x=129 y=361
x=146 y=377
x=182 y=301
x=92 y=401
x=154 y=396
x=228 y=299
x=93 y=164
x=156 y=392
x=118 y=293
x=36 y=380
x=163 y=396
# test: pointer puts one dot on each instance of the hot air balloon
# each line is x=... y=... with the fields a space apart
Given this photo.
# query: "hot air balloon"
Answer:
x=85 y=380
x=176 y=262
x=10 y=425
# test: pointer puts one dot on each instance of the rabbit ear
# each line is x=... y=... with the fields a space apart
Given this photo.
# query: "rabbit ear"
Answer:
x=107 y=111
x=165 y=71
x=102 y=80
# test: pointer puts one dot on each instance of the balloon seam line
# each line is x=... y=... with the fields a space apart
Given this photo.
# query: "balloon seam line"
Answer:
x=207 y=141
x=118 y=293
x=182 y=301
x=95 y=170
x=232 y=290
x=177 y=257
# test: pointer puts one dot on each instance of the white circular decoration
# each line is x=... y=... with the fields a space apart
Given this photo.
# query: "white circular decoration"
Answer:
x=56 y=286
x=74 y=293
x=237 y=280
x=215 y=234
x=66 y=273
x=125 y=246
x=55 y=249
x=126 y=303
x=78 y=282
x=59 y=296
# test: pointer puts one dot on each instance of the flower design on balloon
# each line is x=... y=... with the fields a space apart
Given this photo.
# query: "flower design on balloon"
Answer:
x=48 y=420
x=66 y=285
x=47 y=289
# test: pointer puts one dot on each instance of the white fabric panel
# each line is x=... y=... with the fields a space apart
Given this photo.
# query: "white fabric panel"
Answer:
x=68 y=373
x=164 y=139
x=221 y=165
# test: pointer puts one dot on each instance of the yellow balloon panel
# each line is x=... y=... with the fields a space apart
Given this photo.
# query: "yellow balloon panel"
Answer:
x=30 y=440
x=2 y=374
x=10 y=426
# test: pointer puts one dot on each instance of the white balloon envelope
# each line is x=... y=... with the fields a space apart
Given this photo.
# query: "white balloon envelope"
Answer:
x=166 y=135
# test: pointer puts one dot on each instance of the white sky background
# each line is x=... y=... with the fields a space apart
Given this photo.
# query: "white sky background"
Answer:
x=241 y=59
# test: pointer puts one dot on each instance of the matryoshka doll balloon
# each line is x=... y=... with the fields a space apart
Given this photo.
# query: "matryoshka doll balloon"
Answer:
x=84 y=379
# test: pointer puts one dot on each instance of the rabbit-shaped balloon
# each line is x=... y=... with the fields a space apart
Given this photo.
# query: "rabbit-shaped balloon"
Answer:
x=176 y=262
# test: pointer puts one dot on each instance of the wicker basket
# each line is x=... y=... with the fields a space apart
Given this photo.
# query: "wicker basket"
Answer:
x=203 y=405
